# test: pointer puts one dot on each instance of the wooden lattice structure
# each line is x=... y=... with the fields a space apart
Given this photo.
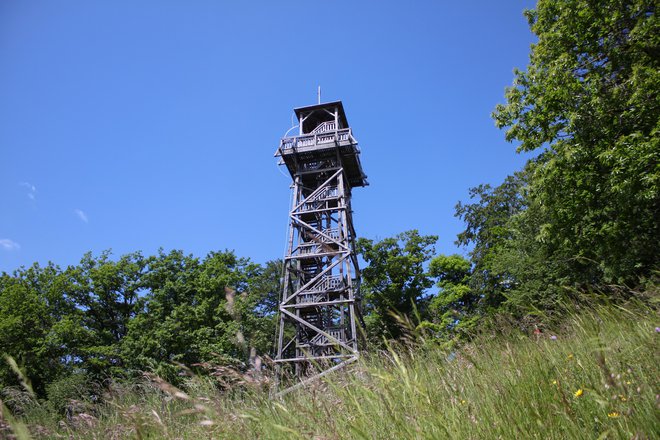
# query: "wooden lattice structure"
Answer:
x=320 y=304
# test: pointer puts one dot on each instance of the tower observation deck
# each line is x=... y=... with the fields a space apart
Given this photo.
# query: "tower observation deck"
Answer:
x=320 y=307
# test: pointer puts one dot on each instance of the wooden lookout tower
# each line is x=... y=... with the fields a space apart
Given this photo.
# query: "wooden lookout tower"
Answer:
x=320 y=304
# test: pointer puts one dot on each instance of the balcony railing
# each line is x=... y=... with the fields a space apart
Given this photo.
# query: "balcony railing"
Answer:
x=316 y=139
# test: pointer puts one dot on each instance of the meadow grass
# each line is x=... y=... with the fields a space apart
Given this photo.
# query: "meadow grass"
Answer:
x=597 y=379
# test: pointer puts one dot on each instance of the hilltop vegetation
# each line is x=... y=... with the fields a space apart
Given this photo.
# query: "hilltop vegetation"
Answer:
x=580 y=217
x=596 y=377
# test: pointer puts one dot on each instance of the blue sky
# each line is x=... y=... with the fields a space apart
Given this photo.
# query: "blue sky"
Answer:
x=131 y=125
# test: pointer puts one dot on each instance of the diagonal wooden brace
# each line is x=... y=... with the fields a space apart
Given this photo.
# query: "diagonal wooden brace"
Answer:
x=317 y=190
x=313 y=280
x=318 y=330
x=308 y=226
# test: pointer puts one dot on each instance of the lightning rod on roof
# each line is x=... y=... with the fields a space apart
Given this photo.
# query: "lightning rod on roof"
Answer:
x=318 y=95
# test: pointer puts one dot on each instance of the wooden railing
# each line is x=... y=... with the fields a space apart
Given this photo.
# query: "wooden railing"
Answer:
x=310 y=249
x=327 y=283
x=333 y=233
x=317 y=292
x=306 y=298
x=321 y=339
x=328 y=192
x=317 y=200
x=326 y=126
x=312 y=140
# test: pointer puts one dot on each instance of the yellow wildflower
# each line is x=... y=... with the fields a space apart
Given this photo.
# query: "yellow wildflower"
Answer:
x=613 y=415
x=554 y=382
x=570 y=356
x=579 y=393
x=463 y=402
x=627 y=382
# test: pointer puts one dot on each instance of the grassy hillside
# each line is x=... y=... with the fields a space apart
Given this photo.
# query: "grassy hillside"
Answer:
x=596 y=378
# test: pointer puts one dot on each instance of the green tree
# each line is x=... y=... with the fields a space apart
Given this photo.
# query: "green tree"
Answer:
x=487 y=232
x=453 y=310
x=111 y=318
x=36 y=325
x=260 y=306
x=589 y=103
x=395 y=279
x=195 y=311
x=106 y=292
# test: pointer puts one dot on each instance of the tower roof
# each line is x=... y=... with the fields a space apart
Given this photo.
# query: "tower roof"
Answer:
x=313 y=120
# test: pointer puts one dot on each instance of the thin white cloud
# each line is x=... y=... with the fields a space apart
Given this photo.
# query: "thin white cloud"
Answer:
x=31 y=190
x=9 y=245
x=81 y=215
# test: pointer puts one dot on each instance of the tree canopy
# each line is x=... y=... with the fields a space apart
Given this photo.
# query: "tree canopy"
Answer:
x=108 y=318
x=395 y=279
x=588 y=103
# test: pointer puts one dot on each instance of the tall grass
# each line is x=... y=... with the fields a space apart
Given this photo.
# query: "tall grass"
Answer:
x=597 y=379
